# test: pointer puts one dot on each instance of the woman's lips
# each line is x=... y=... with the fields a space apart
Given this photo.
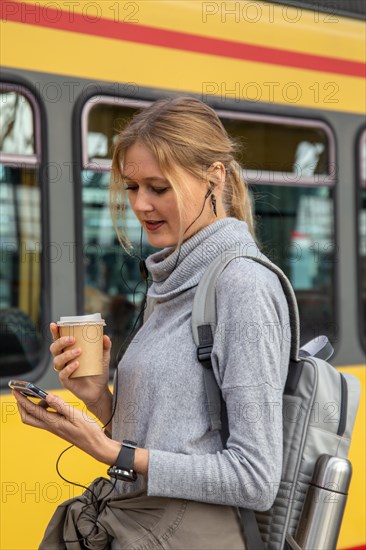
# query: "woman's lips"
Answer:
x=153 y=226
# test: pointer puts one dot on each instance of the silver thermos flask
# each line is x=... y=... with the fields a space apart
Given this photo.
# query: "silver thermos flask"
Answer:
x=325 y=501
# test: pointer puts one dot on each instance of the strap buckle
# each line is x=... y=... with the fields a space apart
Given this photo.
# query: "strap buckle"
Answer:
x=204 y=355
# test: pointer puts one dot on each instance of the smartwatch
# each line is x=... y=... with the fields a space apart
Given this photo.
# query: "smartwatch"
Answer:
x=123 y=468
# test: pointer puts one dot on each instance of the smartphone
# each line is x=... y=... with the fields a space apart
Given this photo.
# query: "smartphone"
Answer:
x=27 y=388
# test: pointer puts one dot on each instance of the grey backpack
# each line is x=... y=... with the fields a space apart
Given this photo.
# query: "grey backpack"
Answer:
x=324 y=429
x=327 y=401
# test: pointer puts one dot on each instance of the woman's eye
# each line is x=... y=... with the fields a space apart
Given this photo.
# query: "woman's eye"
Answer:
x=157 y=190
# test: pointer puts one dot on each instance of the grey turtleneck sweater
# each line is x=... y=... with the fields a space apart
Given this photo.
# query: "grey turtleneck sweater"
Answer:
x=160 y=393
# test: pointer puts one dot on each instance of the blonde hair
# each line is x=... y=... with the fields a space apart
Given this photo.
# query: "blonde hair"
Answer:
x=181 y=132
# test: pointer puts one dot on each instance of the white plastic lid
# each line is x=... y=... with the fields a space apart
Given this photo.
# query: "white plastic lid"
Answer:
x=94 y=318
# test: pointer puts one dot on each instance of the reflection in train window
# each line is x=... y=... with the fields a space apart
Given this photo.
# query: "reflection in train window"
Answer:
x=102 y=122
x=362 y=234
x=17 y=125
x=280 y=150
x=112 y=278
x=292 y=197
x=20 y=233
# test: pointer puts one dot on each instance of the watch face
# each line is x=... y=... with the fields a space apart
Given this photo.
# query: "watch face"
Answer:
x=123 y=475
x=128 y=443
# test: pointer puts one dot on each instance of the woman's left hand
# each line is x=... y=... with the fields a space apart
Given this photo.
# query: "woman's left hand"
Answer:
x=70 y=424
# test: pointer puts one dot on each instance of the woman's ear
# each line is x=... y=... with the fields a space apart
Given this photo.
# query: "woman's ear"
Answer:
x=217 y=175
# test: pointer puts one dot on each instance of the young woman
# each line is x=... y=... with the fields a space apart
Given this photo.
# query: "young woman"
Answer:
x=175 y=163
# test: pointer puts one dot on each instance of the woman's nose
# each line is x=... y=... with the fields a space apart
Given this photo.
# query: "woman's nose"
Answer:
x=143 y=202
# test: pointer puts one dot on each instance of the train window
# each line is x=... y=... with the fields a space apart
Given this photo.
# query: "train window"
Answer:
x=362 y=234
x=17 y=127
x=280 y=150
x=101 y=122
x=20 y=198
x=112 y=280
x=289 y=166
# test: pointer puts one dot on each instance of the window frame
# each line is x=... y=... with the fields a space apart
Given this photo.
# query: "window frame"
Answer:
x=11 y=82
x=251 y=176
x=276 y=178
x=25 y=160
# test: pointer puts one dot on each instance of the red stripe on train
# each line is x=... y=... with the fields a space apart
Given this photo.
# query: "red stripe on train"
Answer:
x=57 y=19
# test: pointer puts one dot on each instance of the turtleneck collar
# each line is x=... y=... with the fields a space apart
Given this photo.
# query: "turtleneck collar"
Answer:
x=174 y=271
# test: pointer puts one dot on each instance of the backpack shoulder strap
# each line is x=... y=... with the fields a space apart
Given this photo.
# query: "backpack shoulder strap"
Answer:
x=204 y=320
x=204 y=304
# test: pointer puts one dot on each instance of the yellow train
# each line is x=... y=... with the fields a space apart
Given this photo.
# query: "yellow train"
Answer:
x=287 y=81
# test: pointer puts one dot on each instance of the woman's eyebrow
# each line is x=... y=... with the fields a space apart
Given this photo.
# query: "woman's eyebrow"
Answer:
x=162 y=180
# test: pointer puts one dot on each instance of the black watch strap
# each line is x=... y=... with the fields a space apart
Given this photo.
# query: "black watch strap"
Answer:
x=126 y=458
x=123 y=467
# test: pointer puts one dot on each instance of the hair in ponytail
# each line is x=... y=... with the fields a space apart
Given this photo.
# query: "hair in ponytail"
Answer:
x=236 y=196
x=187 y=133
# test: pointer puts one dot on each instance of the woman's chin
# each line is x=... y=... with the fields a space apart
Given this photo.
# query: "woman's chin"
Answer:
x=160 y=242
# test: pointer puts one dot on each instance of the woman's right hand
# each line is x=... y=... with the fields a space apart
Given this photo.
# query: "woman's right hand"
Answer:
x=90 y=389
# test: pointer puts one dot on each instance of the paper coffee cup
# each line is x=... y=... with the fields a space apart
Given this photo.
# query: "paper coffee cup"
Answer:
x=88 y=333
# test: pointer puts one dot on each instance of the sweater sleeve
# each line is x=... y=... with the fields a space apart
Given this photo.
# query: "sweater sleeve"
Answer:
x=250 y=360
